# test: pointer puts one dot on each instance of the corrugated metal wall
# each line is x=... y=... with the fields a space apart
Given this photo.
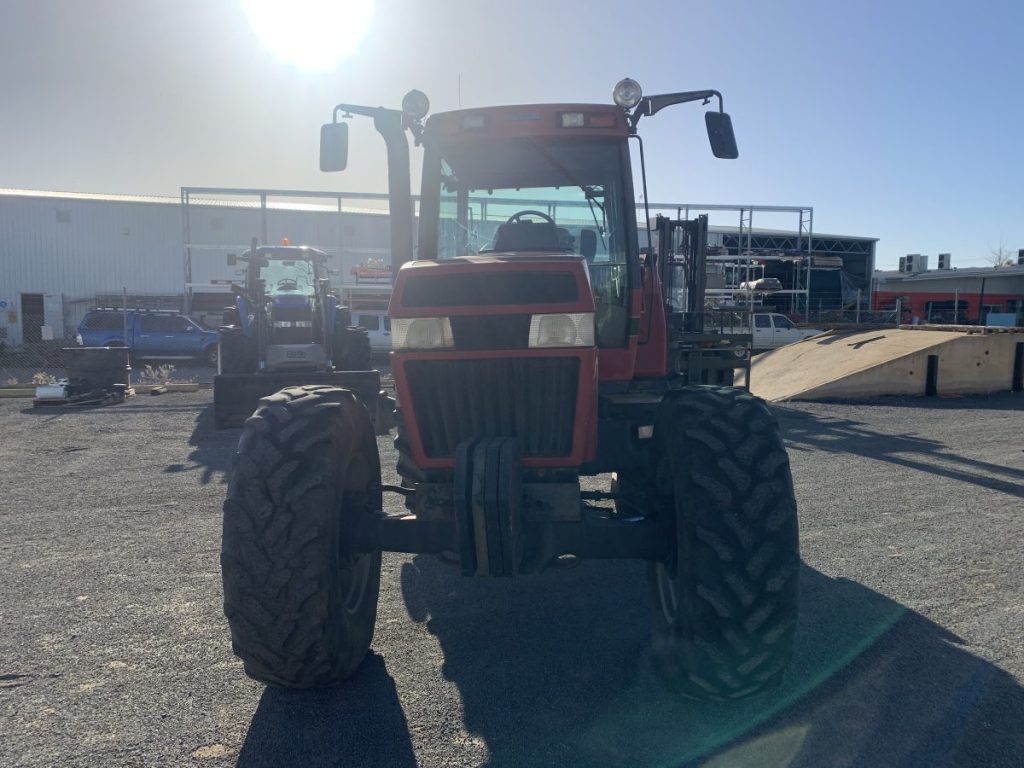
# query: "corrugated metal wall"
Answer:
x=80 y=247
x=71 y=248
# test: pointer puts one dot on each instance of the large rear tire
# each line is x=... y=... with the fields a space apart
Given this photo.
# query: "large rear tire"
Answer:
x=351 y=349
x=724 y=613
x=304 y=487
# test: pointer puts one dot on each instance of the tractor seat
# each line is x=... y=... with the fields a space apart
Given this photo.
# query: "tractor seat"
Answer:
x=527 y=236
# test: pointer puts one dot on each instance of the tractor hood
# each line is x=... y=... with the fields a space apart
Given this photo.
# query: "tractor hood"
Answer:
x=502 y=283
x=291 y=299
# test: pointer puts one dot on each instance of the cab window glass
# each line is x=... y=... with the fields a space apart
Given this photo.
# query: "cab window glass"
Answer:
x=105 y=321
x=543 y=196
x=164 y=324
x=369 y=322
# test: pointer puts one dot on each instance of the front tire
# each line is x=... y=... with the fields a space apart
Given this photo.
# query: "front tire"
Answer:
x=724 y=613
x=211 y=355
x=304 y=488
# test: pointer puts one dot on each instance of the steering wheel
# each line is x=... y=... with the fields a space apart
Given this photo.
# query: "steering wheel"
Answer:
x=287 y=284
x=516 y=217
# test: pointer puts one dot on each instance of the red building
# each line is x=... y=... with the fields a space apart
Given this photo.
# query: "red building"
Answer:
x=952 y=295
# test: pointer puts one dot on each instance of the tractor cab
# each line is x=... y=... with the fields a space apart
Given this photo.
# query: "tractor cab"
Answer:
x=540 y=182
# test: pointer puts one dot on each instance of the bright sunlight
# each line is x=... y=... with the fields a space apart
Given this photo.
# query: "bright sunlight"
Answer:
x=314 y=35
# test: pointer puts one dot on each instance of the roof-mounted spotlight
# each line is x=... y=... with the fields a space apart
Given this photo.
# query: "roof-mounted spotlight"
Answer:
x=627 y=93
x=415 y=105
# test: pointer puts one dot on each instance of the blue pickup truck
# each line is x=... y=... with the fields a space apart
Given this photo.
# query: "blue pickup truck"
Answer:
x=151 y=333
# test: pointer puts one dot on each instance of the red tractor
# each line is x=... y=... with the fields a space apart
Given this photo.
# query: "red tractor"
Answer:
x=532 y=346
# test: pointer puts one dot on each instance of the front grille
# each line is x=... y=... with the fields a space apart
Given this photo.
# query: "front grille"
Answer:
x=533 y=399
x=293 y=336
x=292 y=324
x=302 y=312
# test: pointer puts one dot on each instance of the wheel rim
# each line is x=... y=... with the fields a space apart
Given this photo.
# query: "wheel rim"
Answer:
x=668 y=600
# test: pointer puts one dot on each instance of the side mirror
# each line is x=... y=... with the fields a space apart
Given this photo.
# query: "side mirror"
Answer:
x=232 y=259
x=723 y=140
x=334 y=147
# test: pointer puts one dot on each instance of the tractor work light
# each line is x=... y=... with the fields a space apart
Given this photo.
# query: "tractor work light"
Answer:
x=627 y=93
x=562 y=330
x=415 y=105
x=421 y=333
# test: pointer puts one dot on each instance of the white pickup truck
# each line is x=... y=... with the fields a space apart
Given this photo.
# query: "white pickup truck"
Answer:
x=773 y=330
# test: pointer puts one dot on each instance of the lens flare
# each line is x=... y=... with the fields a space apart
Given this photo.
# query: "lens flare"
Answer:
x=312 y=35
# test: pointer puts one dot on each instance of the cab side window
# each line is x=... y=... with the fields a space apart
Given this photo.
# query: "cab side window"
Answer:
x=762 y=321
x=369 y=322
x=104 y=321
x=782 y=322
x=164 y=324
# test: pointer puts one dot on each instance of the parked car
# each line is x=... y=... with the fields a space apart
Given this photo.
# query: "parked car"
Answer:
x=151 y=333
x=773 y=330
x=378 y=328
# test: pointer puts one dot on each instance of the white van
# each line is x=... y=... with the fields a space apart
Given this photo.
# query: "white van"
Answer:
x=378 y=328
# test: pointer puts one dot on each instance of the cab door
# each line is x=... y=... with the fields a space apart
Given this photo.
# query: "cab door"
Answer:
x=148 y=335
x=784 y=330
x=764 y=333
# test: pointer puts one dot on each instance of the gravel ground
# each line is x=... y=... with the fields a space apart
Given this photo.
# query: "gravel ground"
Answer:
x=910 y=649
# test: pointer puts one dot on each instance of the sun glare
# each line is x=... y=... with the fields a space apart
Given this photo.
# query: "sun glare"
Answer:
x=314 y=35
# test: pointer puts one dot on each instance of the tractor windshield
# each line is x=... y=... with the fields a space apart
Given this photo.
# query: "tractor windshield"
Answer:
x=537 y=195
x=532 y=195
x=288 y=276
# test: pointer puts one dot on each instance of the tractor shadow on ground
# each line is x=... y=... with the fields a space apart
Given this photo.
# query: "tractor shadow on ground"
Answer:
x=555 y=670
x=358 y=724
x=210 y=449
x=807 y=431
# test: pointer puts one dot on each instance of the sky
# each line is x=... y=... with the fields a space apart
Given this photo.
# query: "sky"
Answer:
x=900 y=120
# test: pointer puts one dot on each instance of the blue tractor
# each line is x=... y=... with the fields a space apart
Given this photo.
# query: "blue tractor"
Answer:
x=286 y=328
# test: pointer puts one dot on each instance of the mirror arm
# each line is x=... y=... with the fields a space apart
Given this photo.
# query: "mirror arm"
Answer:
x=377 y=113
x=348 y=110
x=391 y=125
x=650 y=105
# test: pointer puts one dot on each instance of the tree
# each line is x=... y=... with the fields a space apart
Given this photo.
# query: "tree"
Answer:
x=1001 y=256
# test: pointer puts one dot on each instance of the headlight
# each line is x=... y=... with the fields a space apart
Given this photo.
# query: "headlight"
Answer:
x=627 y=93
x=415 y=104
x=568 y=330
x=421 y=333
x=78 y=340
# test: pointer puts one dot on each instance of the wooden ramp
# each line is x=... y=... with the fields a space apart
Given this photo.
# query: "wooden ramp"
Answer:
x=890 y=361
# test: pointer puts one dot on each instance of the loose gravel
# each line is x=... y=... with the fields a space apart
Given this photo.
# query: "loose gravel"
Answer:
x=114 y=651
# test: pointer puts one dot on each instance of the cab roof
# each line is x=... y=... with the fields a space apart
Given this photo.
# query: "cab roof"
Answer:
x=596 y=120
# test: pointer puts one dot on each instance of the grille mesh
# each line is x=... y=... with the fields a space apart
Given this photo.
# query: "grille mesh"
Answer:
x=533 y=399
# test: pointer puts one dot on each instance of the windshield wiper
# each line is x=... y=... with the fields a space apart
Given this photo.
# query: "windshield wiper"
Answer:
x=590 y=193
